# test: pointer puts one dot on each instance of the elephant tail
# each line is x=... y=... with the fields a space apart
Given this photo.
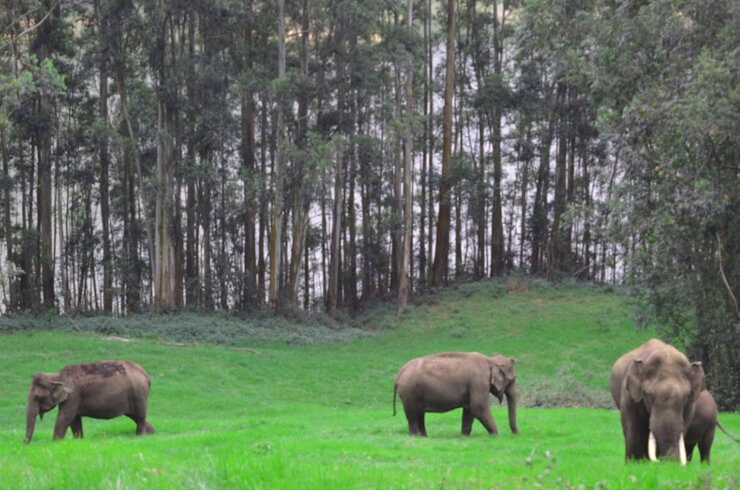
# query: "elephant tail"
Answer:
x=721 y=428
x=395 y=389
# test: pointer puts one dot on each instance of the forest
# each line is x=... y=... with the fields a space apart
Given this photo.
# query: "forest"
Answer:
x=327 y=155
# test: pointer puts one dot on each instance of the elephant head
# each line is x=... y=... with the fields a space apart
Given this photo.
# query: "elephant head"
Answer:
x=668 y=386
x=503 y=380
x=46 y=392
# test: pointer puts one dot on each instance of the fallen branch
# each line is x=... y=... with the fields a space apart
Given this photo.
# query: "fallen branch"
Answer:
x=112 y=338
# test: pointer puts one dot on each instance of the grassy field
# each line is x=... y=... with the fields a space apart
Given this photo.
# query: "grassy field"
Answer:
x=272 y=415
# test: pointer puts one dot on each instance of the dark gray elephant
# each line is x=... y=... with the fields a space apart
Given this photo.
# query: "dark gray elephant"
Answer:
x=656 y=389
x=100 y=390
x=443 y=382
x=702 y=427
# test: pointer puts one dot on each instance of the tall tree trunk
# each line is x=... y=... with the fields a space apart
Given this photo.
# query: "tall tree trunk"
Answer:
x=277 y=204
x=9 y=257
x=525 y=157
x=301 y=199
x=555 y=253
x=164 y=252
x=336 y=229
x=46 y=230
x=248 y=115
x=403 y=273
x=498 y=254
x=441 y=251
x=396 y=209
x=164 y=256
x=104 y=157
x=539 y=206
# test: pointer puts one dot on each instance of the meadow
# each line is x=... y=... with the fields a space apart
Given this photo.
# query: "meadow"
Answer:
x=316 y=412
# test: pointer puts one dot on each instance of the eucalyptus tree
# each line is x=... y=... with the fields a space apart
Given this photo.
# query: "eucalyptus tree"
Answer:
x=671 y=70
x=440 y=269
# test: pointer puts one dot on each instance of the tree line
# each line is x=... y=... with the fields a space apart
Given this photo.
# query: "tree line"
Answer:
x=323 y=154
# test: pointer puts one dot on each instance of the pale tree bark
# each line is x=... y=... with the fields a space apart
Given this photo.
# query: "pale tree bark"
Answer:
x=403 y=272
x=164 y=256
x=44 y=110
x=104 y=158
x=334 y=259
x=248 y=115
x=300 y=196
x=555 y=253
x=497 y=225
x=442 y=242
x=277 y=174
x=164 y=251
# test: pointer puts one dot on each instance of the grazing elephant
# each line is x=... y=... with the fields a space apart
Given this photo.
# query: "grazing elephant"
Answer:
x=443 y=382
x=656 y=390
x=101 y=390
x=701 y=429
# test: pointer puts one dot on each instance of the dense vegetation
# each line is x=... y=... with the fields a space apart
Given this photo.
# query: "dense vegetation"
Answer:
x=268 y=414
x=324 y=154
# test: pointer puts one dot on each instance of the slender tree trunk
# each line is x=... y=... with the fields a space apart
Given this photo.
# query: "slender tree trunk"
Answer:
x=432 y=142
x=46 y=230
x=277 y=204
x=525 y=157
x=555 y=243
x=441 y=252
x=104 y=157
x=539 y=207
x=9 y=257
x=163 y=267
x=301 y=198
x=336 y=228
x=408 y=215
x=248 y=116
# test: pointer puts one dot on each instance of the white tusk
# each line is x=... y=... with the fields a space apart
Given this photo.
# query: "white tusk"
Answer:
x=652 y=448
x=682 y=450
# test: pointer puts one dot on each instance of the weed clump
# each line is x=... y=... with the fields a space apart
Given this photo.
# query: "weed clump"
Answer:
x=216 y=329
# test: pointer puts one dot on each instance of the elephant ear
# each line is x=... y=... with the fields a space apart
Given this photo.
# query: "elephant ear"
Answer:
x=498 y=379
x=59 y=392
x=633 y=380
x=697 y=380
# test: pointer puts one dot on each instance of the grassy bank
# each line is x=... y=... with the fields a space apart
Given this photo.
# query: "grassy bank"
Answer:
x=268 y=414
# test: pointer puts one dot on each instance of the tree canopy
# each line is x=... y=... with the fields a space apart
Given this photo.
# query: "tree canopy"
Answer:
x=325 y=154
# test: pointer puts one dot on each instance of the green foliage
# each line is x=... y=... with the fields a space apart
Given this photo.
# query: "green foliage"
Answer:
x=679 y=125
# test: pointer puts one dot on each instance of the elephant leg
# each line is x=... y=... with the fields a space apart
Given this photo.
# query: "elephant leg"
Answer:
x=422 y=424
x=689 y=450
x=76 y=426
x=636 y=432
x=412 y=418
x=705 y=445
x=482 y=412
x=467 y=421
x=60 y=427
x=142 y=426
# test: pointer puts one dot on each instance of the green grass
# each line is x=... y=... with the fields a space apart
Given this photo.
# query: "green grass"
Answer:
x=320 y=416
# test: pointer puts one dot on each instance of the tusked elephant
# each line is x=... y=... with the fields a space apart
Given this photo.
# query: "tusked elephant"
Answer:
x=101 y=390
x=702 y=427
x=656 y=390
x=443 y=382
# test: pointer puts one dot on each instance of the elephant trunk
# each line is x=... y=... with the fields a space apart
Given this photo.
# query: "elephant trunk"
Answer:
x=32 y=411
x=511 y=403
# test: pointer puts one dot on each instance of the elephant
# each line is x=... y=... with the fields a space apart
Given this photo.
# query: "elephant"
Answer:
x=101 y=390
x=450 y=380
x=702 y=427
x=656 y=390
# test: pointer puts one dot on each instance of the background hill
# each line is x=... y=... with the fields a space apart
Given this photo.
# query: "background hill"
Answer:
x=309 y=411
